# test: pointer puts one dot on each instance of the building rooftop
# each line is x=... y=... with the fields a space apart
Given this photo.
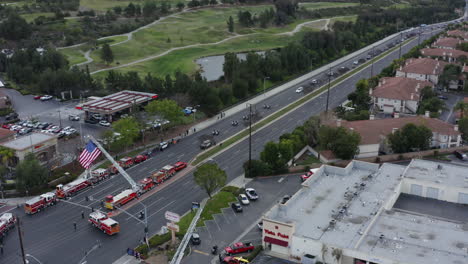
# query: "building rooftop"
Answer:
x=373 y=131
x=400 y=88
x=423 y=66
x=445 y=174
x=454 y=53
x=458 y=33
x=447 y=42
x=117 y=102
x=351 y=208
x=32 y=140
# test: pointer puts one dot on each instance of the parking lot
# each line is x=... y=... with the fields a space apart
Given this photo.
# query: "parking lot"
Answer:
x=231 y=227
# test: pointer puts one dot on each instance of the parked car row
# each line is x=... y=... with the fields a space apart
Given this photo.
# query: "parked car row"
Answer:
x=244 y=199
x=28 y=126
x=43 y=97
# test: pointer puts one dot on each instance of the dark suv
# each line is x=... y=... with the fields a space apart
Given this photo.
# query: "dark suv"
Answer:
x=236 y=207
x=195 y=239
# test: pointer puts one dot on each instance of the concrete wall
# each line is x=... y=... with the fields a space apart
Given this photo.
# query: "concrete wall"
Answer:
x=446 y=193
x=369 y=150
x=422 y=77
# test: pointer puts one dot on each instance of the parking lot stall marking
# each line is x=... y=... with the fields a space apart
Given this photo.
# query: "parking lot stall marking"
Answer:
x=281 y=179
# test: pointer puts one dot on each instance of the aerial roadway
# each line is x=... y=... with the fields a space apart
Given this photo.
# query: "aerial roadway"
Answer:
x=50 y=236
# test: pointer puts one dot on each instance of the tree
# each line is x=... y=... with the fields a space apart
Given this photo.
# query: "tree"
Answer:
x=410 y=138
x=6 y=155
x=462 y=107
x=106 y=54
x=258 y=168
x=180 y=6
x=463 y=127
x=129 y=130
x=342 y=142
x=30 y=173
x=210 y=177
x=167 y=108
x=451 y=73
x=230 y=24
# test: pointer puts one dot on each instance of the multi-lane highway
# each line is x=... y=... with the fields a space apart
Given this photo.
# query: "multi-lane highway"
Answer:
x=50 y=237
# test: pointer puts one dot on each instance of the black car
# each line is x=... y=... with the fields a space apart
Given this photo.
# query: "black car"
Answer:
x=195 y=239
x=43 y=125
x=12 y=116
x=460 y=155
x=285 y=199
x=91 y=121
x=236 y=207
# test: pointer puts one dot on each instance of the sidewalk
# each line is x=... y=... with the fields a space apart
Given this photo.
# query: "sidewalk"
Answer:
x=127 y=259
x=15 y=201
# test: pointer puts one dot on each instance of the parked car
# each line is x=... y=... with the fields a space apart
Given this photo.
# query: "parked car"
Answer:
x=91 y=121
x=355 y=62
x=460 y=155
x=285 y=199
x=140 y=158
x=443 y=97
x=96 y=116
x=104 y=123
x=195 y=239
x=46 y=97
x=43 y=125
x=309 y=174
x=237 y=207
x=251 y=193
x=163 y=145
x=73 y=118
x=205 y=144
x=300 y=89
x=239 y=247
x=37 y=97
x=180 y=165
x=243 y=199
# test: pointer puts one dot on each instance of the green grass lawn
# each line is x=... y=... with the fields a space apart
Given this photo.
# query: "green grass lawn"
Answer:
x=214 y=206
x=319 y=5
x=74 y=55
x=352 y=18
x=31 y=17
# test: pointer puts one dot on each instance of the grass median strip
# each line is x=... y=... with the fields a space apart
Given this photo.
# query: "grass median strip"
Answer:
x=230 y=141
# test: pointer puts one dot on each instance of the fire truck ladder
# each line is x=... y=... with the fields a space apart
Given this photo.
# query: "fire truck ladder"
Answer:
x=116 y=164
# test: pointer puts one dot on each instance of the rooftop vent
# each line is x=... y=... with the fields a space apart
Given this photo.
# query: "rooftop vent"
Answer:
x=439 y=167
x=381 y=236
x=333 y=222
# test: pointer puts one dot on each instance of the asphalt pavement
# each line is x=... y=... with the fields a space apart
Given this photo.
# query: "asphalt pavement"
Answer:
x=229 y=226
x=49 y=236
x=449 y=114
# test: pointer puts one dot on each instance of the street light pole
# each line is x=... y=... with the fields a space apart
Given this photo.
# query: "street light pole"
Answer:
x=372 y=64
x=401 y=41
x=60 y=118
x=21 y=240
x=250 y=140
x=328 y=89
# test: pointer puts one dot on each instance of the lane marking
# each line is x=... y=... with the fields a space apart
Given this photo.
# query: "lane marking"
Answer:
x=201 y=252
x=280 y=180
x=161 y=209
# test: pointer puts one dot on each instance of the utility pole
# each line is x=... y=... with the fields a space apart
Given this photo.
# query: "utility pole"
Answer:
x=60 y=118
x=250 y=140
x=264 y=78
x=419 y=37
x=328 y=89
x=21 y=241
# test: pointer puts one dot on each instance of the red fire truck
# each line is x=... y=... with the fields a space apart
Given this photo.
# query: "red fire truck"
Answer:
x=7 y=222
x=163 y=174
x=120 y=199
x=146 y=184
x=126 y=162
x=101 y=221
x=38 y=203
x=71 y=188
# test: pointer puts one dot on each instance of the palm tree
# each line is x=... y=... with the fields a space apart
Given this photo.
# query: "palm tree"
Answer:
x=462 y=107
x=6 y=155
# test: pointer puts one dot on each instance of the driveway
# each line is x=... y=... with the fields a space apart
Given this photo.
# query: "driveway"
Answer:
x=448 y=115
x=229 y=226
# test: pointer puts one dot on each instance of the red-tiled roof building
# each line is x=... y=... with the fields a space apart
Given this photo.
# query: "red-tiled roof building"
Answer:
x=447 y=43
x=451 y=55
x=423 y=69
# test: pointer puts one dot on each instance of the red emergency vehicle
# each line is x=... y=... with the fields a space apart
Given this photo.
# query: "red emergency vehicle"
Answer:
x=38 y=203
x=101 y=221
x=146 y=184
x=98 y=175
x=126 y=162
x=120 y=199
x=163 y=174
x=180 y=165
x=7 y=222
x=140 y=158
x=71 y=188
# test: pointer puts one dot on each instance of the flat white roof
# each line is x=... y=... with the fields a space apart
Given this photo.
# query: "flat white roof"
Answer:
x=344 y=207
x=117 y=102
x=438 y=172
x=24 y=142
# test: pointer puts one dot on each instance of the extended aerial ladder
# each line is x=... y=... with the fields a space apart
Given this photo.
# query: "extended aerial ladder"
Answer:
x=134 y=185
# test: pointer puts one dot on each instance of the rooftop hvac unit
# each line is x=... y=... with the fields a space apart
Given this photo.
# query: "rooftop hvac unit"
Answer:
x=308 y=259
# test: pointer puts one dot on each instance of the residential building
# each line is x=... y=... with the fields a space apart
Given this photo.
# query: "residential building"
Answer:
x=44 y=147
x=367 y=214
x=398 y=94
x=423 y=69
x=374 y=132
x=459 y=34
x=444 y=54
x=447 y=43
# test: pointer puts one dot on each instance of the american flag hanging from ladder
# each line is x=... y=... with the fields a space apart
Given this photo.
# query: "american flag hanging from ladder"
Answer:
x=89 y=154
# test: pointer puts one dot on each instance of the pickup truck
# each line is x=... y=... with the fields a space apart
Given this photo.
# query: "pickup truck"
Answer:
x=238 y=248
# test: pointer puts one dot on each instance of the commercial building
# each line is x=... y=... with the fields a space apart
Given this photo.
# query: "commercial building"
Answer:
x=398 y=94
x=423 y=69
x=44 y=147
x=374 y=132
x=366 y=213
x=116 y=104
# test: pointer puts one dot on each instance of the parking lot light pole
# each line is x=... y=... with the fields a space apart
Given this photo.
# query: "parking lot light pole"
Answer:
x=60 y=118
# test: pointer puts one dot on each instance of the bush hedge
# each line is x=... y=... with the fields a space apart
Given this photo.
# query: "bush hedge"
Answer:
x=254 y=253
